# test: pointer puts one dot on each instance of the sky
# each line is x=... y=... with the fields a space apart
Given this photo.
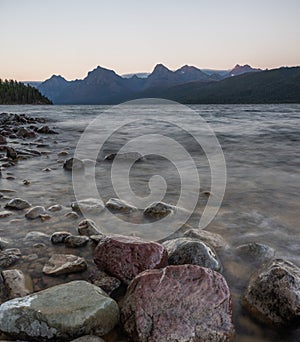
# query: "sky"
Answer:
x=39 y=38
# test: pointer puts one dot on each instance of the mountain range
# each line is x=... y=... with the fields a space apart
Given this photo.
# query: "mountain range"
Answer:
x=242 y=84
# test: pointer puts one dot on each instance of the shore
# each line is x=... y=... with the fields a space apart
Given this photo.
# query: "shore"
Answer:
x=46 y=243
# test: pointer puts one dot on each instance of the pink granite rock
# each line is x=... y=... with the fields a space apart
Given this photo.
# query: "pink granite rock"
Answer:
x=124 y=257
x=178 y=303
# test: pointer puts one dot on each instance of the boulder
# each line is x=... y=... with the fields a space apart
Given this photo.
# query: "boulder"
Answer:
x=73 y=164
x=190 y=251
x=178 y=303
x=273 y=294
x=63 y=264
x=16 y=284
x=88 y=227
x=59 y=237
x=212 y=239
x=35 y=212
x=124 y=257
x=116 y=204
x=92 y=205
x=62 y=312
x=159 y=210
x=73 y=241
x=17 y=204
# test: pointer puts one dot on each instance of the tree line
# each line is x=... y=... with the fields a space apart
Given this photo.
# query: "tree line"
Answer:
x=14 y=92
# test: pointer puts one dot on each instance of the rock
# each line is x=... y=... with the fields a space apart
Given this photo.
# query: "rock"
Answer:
x=16 y=284
x=59 y=237
x=24 y=133
x=116 y=204
x=96 y=238
x=62 y=153
x=103 y=280
x=127 y=156
x=255 y=252
x=93 y=205
x=73 y=164
x=2 y=140
x=124 y=257
x=45 y=217
x=37 y=237
x=178 y=303
x=35 y=212
x=88 y=227
x=159 y=210
x=47 y=169
x=61 y=312
x=17 y=204
x=72 y=215
x=88 y=338
x=11 y=153
x=26 y=182
x=9 y=257
x=76 y=241
x=3 y=243
x=212 y=239
x=190 y=251
x=64 y=263
x=46 y=130
x=5 y=213
x=55 y=207
x=273 y=295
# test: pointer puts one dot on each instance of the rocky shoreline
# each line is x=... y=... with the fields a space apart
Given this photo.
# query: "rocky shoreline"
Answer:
x=122 y=288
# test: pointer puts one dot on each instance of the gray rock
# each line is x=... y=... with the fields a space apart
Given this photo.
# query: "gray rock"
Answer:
x=62 y=312
x=73 y=164
x=4 y=243
x=11 y=153
x=93 y=205
x=76 y=241
x=178 y=303
x=64 y=263
x=88 y=227
x=16 y=284
x=5 y=213
x=55 y=207
x=255 y=252
x=212 y=239
x=46 y=130
x=127 y=156
x=116 y=204
x=59 y=237
x=17 y=204
x=35 y=212
x=190 y=251
x=273 y=295
x=9 y=257
x=2 y=140
x=159 y=210
x=37 y=237
x=72 y=215
x=88 y=338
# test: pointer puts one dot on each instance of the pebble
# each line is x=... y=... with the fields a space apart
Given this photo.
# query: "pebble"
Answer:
x=64 y=263
x=55 y=207
x=59 y=237
x=76 y=241
x=17 y=204
x=35 y=212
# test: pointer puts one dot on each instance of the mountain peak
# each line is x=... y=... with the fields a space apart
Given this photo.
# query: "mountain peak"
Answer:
x=242 y=69
x=160 y=67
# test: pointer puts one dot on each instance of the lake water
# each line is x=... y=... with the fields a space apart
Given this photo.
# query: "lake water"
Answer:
x=261 y=145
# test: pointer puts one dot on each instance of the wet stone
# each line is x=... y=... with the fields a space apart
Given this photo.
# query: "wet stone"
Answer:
x=159 y=210
x=8 y=258
x=255 y=251
x=191 y=251
x=93 y=205
x=116 y=204
x=16 y=283
x=59 y=237
x=17 y=204
x=35 y=212
x=35 y=236
x=88 y=227
x=73 y=164
x=103 y=280
x=72 y=215
x=63 y=264
x=76 y=241
x=55 y=207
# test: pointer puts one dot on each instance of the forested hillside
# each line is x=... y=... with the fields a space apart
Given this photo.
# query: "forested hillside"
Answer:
x=13 y=92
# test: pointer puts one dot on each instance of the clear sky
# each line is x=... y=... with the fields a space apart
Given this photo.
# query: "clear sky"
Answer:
x=39 y=38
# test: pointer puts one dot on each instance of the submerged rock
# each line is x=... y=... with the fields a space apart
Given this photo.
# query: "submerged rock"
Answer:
x=16 y=283
x=37 y=237
x=116 y=204
x=73 y=164
x=190 y=251
x=93 y=205
x=76 y=241
x=61 y=312
x=35 y=212
x=17 y=204
x=178 y=303
x=55 y=207
x=64 y=263
x=124 y=257
x=5 y=213
x=88 y=227
x=212 y=239
x=126 y=156
x=59 y=237
x=273 y=295
x=255 y=252
x=9 y=257
x=159 y=210
x=46 y=130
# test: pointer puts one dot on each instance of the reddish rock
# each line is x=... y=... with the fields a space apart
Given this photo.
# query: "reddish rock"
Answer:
x=124 y=257
x=178 y=303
